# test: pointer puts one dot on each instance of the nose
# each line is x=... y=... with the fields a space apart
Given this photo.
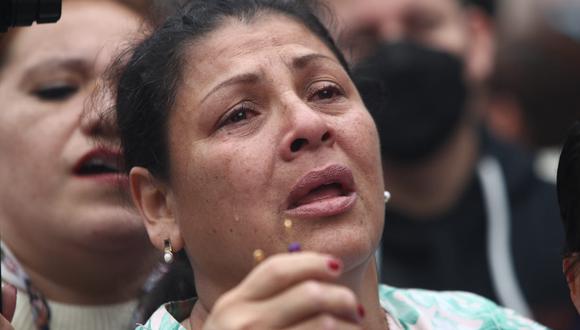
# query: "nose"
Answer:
x=308 y=131
x=97 y=118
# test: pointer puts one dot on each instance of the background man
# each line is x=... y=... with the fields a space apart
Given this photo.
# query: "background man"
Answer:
x=467 y=213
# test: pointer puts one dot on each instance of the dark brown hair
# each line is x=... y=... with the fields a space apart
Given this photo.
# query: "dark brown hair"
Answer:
x=148 y=82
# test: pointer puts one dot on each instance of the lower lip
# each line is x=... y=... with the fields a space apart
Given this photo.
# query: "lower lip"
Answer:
x=324 y=207
x=107 y=179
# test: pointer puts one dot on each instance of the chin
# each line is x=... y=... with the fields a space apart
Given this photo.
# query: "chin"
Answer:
x=353 y=246
x=113 y=229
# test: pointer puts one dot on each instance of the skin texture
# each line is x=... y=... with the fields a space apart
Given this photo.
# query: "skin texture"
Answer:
x=45 y=209
x=230 y=179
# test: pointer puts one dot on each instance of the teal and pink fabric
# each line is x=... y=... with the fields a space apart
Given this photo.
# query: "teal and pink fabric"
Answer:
x=407 y=309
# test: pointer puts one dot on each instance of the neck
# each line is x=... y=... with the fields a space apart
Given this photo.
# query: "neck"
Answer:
x=365 y=286
x=77 y=276
x=362 y=281
x=432 y=187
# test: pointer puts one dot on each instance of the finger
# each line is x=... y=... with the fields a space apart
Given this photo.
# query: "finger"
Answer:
x=325 y=322
x=8 y=301
x=281 y=271
x=308 y=300
x=4 y=324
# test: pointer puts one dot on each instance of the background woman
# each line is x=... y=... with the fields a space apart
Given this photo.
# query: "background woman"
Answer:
x=246 y=138
x=77 y=255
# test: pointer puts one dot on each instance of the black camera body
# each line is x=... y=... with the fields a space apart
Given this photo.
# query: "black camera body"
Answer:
x=25 y=12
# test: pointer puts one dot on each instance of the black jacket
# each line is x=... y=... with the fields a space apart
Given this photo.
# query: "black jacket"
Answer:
x=450 y=251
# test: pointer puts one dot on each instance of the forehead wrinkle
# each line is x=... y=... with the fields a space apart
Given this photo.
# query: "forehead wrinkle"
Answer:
x=252 y=45
x=248 y=40
x=242 y=70
x=292 y=62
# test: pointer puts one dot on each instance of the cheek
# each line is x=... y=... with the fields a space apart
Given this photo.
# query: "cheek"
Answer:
x=456 y=39
x=360 y=140
x=449 y=37
x=361 y=144
x=223 y=197
x=230 y=167
x=36 y=143
x=222 y=185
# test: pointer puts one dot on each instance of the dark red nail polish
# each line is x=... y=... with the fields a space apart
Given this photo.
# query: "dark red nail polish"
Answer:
x=361 y=311
x=334 y=265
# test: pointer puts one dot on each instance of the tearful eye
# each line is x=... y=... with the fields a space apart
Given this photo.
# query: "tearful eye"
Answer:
x=55 y=92
x=238 y=115
x=327 y=92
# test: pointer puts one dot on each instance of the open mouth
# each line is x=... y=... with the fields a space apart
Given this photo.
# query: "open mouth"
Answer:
x=99 y=162
x=324 y=191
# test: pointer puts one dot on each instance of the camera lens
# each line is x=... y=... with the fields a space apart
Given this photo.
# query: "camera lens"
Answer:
x=48 y=11
x=26 y=12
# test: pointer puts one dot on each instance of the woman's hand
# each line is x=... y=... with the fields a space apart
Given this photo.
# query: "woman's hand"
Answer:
x=289 y=291
x=8 y=306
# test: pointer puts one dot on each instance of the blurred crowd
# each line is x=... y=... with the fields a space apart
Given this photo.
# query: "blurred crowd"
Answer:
x=473 y=103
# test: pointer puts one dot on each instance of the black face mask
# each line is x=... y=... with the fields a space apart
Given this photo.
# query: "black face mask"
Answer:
x=416 y=96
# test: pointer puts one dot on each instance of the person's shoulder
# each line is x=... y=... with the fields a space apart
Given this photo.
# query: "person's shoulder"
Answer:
x=169 y=316
x=424 y=309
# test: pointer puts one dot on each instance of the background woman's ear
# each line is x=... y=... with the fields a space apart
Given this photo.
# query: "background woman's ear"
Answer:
x=573 y=281
x=154 y=201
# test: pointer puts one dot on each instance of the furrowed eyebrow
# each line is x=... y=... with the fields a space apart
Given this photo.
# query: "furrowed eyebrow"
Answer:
x=250 y=78
x=57 y=64
x=53 y=66
x=302 y=61
x=244 y=78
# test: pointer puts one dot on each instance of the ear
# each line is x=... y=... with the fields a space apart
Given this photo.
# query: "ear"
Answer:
x=505 y=118
x=482 y=45
x=573 y=282
x=155 y=202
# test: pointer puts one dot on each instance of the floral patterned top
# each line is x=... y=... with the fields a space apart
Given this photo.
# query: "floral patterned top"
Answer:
x=406 y=309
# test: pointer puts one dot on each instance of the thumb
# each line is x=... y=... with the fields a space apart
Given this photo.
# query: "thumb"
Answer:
x=8 y=301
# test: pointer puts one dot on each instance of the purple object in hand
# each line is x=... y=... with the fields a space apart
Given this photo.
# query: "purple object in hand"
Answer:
x=294 y=247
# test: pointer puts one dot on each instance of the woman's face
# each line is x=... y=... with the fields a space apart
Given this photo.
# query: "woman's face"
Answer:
x=59 y=187
x=268 y=126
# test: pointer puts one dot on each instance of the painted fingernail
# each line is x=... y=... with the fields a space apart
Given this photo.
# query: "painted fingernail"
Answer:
x=334 y=265
x=294 y=247
x=361 y=311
